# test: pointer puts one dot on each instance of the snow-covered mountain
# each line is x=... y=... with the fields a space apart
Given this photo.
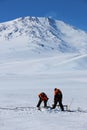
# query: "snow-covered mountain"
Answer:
x=37 y=55
x=34 y=37
x=44 y=33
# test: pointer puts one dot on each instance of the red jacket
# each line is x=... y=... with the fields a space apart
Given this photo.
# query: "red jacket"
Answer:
x=43 y=96
x=57 y=91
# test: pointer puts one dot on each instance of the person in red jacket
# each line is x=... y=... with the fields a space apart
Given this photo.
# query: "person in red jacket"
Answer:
x=58 y=98
x=42 y=98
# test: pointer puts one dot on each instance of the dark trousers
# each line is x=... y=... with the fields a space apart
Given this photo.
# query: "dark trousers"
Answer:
x=60 y=103
x=40 y=101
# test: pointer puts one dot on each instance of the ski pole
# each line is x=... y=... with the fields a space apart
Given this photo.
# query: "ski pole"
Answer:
x=70 y=104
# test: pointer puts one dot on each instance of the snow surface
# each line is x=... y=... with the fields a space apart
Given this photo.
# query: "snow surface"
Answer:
x=22 y=92
x=27 y=68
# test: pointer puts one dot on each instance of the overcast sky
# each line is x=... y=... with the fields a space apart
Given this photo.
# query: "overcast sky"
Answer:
x=73 y=12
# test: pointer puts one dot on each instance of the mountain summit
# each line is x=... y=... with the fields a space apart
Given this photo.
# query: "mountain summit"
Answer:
x=42 y=35
x=33 y=45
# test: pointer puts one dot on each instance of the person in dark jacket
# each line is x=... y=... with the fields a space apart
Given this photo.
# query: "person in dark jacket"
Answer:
x=42 y=98
x=58 y=99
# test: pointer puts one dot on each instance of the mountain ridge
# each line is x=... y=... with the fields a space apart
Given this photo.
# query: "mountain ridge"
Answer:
x=33 y=45
x=45 y=33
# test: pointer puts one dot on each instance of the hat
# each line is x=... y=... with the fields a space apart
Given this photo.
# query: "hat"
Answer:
x=55 y=89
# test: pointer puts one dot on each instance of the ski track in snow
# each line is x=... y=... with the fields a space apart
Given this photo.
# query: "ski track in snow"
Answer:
x=45 y=119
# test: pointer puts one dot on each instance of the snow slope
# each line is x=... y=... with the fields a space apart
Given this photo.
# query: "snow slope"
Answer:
x=38 y=34
x=19 y=93
x=41 y=39
x=39 y=54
